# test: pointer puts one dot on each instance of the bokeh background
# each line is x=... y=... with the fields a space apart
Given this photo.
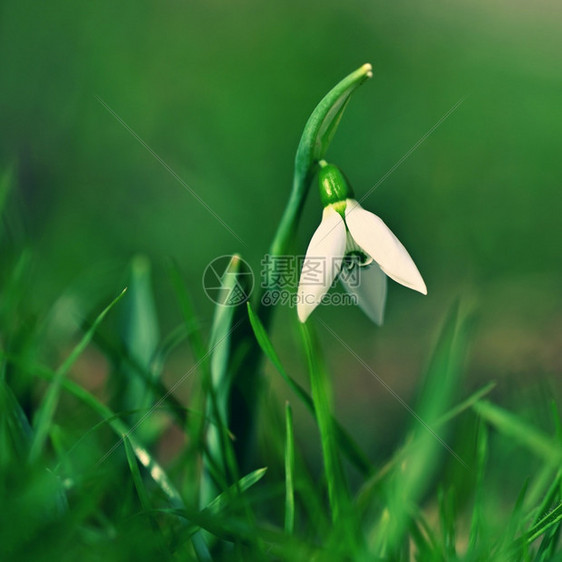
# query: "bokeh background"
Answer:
x=221 y=91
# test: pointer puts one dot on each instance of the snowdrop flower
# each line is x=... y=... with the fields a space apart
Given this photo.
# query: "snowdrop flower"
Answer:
x=355 y=244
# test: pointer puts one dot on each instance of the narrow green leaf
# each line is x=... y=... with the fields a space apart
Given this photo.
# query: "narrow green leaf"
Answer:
x=515 y=520
x=196 y=428
x=348 y=446
x=551 y=519
x=219 y=462
x=465 y=404
x=142 y=493
x=196 y=340
x=322 y=398
x=140 y=336
x=514 y=427
x=370 y=486
x=135 y=473
x=549 y=544
x=476 y=523
x=47 y=409
x=289 y=471
x=208 y=518
x=118 y=355
x=426 y=537
x=225 y=498
x=549 y=498
x=424 y=446
x=16 y=433
x=447 y=518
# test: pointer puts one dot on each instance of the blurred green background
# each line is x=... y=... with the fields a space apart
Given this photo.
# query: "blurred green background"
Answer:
x=221 y=91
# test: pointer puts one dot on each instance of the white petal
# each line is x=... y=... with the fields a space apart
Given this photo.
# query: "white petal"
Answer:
x=377 y=240
x=368 y=285
x=322 y=262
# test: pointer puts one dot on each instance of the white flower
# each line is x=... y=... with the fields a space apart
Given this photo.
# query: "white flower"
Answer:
x=359 y=245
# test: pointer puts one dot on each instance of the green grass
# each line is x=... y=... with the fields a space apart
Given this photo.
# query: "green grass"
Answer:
x=96 y=489
x=96 y=475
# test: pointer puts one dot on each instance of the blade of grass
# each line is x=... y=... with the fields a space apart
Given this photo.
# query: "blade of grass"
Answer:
x=477 y=527
x=465 y=404
x=207 y=519
x=370 y=486
x=348 y=446
x=15 y=425
x=118 y=355
x=220 y=466
x=48 y=406
x=426 y=537
x=147 y=461
x=225 y=498
x=521 y=431
x=140 y=336
x=322 y=398
x=195 y=430
x=515 y=519
x=412 y=477
x=135 y=473
x=549 y=544
x=142 y=492
x=549 y=498
x=289 y=471
x=548 y=521
x=195 y=336
x=447 y=519
x=121 y=429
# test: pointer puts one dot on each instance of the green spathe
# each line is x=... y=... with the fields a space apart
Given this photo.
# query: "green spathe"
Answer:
x=315 y=140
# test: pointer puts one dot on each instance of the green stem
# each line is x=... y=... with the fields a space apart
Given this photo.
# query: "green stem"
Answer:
x=317 y=135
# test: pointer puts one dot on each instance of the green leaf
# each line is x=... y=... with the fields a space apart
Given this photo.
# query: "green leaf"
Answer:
x=194 y=334
x=477 y=527
x=196 y=428
x=425 y=447
x=550 y=496
x=47 y=409
x=135 y=473
x=225 y=498
x=219 y=462
x=322 y=398
x=447 y=517
x=289 y=471
x=348 y=446
x=465 y=404
x=370 y=486
x=16 y=433
x=140 y=335
x=551 y=519
x=514 y=427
